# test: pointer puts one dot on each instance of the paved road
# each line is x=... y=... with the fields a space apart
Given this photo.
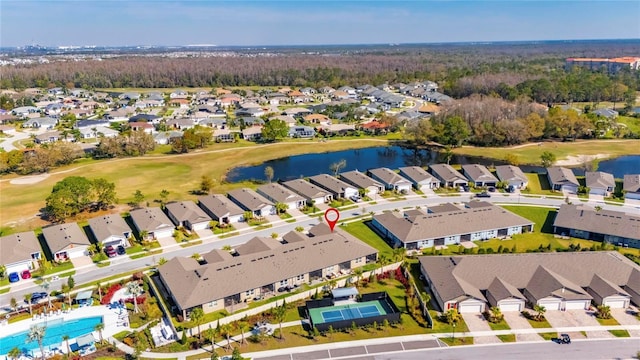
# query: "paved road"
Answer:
x=122 y=265
x=578 y=350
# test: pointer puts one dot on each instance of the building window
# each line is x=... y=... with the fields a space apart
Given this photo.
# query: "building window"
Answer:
x=213 y=303
x=300 y=277
x=249 y=292
x=283 y=282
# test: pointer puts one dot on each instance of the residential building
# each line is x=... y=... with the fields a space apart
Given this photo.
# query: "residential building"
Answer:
x=337 y=188
x=448 y=176
x=600 y=183
x=20 y=252
x=370 y=186
x=477 y=221
x=557 y=281
x=562 y=179
x=419 y=177
x=391 y=180
x=66 y=241
x=221 y=209
x=250 y=200
x=259 y=269
x=585 y=222
x=151 y=223
x=110 y=230
x=512 y=176
x=47 y=123
x=312 y=193
x=631 y=186
x=188 y=215
x=277 y=193
x=479 y=175
x=611 y=65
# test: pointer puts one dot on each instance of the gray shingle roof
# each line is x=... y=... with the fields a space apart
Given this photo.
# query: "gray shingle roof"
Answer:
x=388 y=176
x=192 y=284
x=18 y=247
x=278 y=193
x=63 y=236
x=561 y=175
x=416 y=174
x=582 y=217
x=477 y=172
x=604 y=287
x=150 y=219
x=306 y=189
x=510 y=172
x=575 y=269
x=187 y=211
x=358 y=179
x=439 y=225
x=599 y=179
x=631 y=183
x=330 y=183
x=501 y=290
x=446 y=172
x=220 y=205
x=103 y=227
x=248 y=199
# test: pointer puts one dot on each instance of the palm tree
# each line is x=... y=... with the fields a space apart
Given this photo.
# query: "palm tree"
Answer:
x=496 y=314
x=604 y=312
x=197 y=315
x=66 y=340
x=453 y=317
x=383 y=261
x=280 y=313
x=540 y=310
x=46 y=284
x=14 y=353
x=134 y=289
x=14 y=304
x=358 y=273
x=27 y=298
x=99 y=327
x=36 y=333
x=242 y=326
x=226 y=330
x=399 y=253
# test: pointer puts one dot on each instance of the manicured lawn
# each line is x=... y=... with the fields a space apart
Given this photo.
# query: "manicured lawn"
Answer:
x=179 y=173
x=457 y=341
x=544 y=324
x=620 y=333
x=608 y=322
x=65 y=266
x=507 y=338
x=530 y=154
x=502 y=325
x=549 y=335
x=539 y=184
x=542 y=217
x=363 y=232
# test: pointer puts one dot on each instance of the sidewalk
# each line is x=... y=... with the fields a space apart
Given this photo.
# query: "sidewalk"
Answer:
x=206 y=351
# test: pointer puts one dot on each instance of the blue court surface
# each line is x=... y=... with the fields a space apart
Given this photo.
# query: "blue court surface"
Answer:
x=350 y=312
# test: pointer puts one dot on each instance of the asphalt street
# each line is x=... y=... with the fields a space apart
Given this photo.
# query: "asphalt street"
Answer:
x=124 y=264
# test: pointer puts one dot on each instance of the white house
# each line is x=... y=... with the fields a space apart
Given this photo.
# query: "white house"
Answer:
x=110 y=230
x=19 y=252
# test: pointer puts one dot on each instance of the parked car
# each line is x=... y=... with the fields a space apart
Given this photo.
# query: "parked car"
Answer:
x=37 y=296
x=26 y=274
x=511 y=188
x=110 y=251
x=14 y=277
x=121 y=250
x=563 y=339
x=355 y=198
x=492 y=189
x=483 y=194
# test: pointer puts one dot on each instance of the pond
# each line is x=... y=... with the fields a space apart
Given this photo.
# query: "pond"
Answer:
x=393 y=157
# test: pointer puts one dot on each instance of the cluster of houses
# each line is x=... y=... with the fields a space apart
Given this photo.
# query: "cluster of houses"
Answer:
x=98 y=111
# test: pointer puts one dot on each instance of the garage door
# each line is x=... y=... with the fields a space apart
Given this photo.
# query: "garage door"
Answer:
x=510 y=306
x=575 y=305
x=550 y=305
x=470 y=308
x=75 y=252
x=615 y=304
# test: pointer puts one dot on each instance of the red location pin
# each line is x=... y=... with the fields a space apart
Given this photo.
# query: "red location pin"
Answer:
x=332 y=216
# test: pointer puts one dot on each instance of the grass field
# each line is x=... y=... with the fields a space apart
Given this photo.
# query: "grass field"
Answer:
x=180 y=174
x=530 y=153
x=360 y=230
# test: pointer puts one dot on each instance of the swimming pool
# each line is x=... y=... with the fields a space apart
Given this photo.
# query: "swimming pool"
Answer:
x=55 y=330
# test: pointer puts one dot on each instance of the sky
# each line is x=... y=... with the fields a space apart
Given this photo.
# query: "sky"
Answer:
x=310 y=22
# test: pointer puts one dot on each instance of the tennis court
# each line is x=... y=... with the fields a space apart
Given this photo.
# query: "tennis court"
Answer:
x=347 y=312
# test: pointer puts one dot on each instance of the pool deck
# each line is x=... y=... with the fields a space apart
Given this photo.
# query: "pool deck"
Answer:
x=109 y=318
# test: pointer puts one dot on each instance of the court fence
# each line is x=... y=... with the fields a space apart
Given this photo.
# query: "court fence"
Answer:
x=392 y=316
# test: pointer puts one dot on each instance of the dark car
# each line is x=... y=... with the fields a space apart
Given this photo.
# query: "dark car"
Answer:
x=492 y=189
x=14 y=277
x=565 y=338
x=483 y=194
x=37 y=296
x=121 y=250
x=110 y=251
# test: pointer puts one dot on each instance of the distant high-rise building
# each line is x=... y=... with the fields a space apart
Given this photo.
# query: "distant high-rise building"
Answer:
x=612 y=65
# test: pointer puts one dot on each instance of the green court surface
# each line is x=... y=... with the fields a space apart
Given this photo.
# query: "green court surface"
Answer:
x=348 y=311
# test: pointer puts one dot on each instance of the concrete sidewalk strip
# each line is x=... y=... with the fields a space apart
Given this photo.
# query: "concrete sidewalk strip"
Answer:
x=349 y=351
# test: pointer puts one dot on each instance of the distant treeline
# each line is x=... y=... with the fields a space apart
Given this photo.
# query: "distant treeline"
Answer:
x=509 y=71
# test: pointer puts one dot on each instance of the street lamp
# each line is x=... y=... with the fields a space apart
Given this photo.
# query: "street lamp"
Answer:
x=453 y=331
